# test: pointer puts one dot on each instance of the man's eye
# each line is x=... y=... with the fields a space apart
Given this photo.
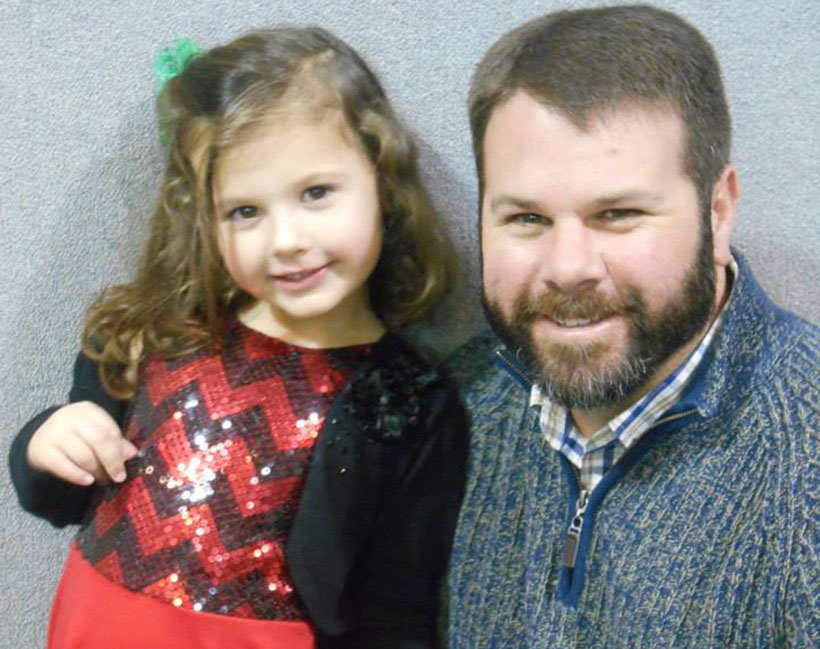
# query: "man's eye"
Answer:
x=243 y=213
x=527 y=218
x=618 y=214
x=315 y=193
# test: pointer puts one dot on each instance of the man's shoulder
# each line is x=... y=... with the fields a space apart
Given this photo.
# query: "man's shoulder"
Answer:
x=804 y=338
x=791 y=350
x=772 y=369
x=766 y=339
x=793 y=368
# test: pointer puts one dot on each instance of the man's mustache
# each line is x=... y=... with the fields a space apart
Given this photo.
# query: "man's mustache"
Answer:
x=588 y=305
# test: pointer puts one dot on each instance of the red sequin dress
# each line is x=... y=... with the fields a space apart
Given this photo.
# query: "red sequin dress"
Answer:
x=199 y=526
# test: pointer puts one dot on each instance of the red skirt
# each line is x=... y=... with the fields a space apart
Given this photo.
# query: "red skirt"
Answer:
x=91 y=612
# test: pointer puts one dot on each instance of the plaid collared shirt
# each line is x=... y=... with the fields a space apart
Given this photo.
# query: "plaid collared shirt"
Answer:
x=595 y=456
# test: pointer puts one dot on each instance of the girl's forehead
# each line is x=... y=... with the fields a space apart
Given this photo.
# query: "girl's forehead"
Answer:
x=284 y=127
x=276 y=151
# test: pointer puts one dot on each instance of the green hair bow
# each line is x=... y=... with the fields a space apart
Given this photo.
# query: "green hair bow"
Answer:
x=169 y=63
x=172 y=61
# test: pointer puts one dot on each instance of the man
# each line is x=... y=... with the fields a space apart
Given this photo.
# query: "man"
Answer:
x=644 y=456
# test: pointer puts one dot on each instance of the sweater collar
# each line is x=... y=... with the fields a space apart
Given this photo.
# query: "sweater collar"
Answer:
x=724 y=369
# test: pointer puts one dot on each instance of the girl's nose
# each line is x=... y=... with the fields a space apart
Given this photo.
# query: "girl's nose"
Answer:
x=285 y=236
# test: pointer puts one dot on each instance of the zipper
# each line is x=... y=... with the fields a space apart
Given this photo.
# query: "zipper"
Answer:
x=571 y=542
x=573 y=537
x=666 y=420
x=513 y=369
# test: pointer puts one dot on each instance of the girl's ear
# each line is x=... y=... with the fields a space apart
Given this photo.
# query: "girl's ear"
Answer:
x=725 y=195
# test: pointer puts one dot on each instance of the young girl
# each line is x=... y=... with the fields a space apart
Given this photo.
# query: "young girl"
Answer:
x=253 y=459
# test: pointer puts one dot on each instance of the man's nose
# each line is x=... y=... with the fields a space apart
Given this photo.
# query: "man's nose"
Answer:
x=573 y=260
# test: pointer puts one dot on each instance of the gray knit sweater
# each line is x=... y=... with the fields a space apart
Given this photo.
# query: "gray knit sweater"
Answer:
x=706 y=534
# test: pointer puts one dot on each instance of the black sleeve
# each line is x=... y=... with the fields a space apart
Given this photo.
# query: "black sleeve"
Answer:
x=396 y=588
x=59 y=502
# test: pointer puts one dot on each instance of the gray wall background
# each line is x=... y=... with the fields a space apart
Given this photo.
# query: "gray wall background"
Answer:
x=80 y=162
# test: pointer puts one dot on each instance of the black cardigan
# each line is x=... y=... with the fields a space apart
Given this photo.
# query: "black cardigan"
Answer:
x=370 y=540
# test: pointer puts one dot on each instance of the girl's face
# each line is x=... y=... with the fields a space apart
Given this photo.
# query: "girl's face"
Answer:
x=299 y=228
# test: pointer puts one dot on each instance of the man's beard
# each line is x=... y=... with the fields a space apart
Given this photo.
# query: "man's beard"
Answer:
x=572 y=373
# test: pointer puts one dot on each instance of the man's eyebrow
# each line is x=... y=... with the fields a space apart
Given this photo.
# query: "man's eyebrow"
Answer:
x=506 y=200
x=603 y=202
x=628 y=196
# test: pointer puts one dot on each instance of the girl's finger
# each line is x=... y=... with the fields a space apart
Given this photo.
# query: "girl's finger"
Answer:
x=111 y=451
x=79 y=452
x=64 y=468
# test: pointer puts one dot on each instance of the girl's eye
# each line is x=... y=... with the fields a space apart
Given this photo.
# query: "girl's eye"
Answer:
x=243 y=213
x=315 y=193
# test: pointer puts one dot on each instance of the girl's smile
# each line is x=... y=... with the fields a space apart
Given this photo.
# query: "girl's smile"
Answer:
x=301 y=280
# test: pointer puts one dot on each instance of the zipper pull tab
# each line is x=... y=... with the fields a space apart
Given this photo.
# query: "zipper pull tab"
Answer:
x=574 y=532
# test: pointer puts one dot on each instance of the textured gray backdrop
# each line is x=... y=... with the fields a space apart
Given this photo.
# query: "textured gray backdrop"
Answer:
x=80 y=161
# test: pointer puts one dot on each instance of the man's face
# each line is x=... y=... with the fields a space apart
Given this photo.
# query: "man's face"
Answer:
x=597 y=267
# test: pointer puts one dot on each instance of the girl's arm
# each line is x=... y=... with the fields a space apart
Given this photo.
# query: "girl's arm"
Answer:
x=39 y=492
x=396 y=589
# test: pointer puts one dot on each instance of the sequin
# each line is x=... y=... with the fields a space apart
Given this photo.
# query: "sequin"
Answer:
x=213 y=491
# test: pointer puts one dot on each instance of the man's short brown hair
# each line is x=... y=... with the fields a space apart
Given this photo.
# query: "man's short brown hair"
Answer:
x=586 y=62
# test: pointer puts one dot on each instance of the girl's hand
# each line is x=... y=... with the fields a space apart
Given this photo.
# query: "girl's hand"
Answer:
x=80 y=443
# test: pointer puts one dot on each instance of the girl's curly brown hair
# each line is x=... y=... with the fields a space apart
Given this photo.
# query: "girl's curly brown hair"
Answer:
x=182 y=293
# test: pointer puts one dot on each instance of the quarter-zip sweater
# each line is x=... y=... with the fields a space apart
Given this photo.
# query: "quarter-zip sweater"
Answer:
x=705 y=534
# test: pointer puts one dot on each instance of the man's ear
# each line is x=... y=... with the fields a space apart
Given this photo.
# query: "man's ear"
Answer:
x=725 y=194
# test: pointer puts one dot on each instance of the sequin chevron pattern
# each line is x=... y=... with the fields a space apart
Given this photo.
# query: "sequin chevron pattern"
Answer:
x=225 y=439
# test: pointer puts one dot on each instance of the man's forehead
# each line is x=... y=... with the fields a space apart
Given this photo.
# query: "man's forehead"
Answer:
x=596 y=118
x=527 y=136
x=536 y=160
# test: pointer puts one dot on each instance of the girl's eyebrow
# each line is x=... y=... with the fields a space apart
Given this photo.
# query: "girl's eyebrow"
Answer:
x=230 y=203
x=320 y=177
